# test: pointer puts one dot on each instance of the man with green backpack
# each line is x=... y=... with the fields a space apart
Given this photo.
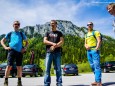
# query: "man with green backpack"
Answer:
x=92 y=44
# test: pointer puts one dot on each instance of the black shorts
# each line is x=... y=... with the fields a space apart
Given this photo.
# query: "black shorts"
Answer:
x=14 y=56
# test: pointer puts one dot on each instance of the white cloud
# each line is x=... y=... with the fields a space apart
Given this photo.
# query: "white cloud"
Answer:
x=40 y=11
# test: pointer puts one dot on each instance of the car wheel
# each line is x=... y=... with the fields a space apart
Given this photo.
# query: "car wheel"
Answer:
x=76 y=74
x=41 y=75
x=23 y=75
x=31 y=75
x=65 y=74
x=36 y=74
x=1 y=76
x=105 y=70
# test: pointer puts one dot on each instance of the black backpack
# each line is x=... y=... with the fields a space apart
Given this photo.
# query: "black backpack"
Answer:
x=9 y=39
x=9 y=36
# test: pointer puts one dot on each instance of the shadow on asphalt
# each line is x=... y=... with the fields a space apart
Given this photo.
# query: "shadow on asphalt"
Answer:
x=111 y=72
x=73 y=75
x=109 y=83
x=104 y=84
x=80 y=85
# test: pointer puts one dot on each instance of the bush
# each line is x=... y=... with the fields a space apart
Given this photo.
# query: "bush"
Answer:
x=84 y=67
x=42 y=64
x=110 y=58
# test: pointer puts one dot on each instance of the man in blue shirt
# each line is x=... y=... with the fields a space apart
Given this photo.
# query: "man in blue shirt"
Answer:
x=15 y=51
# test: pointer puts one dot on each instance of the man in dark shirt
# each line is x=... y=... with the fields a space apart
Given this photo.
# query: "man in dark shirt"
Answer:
x=53 y=40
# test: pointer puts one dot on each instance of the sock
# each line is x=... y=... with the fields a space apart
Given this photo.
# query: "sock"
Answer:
x=6 y=79
x=19 y=79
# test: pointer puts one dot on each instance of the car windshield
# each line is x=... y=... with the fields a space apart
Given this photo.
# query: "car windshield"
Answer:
x=28 y=66
x=112 y=62
x=70 y=65
x=4 y=64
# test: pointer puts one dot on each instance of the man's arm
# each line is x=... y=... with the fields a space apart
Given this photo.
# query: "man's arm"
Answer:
x=86 y=46
x=3 y=44
x=98 y=42
x=60 y=43
x=45 y=41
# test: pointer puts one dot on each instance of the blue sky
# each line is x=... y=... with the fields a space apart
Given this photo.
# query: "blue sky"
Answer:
x=32 y=12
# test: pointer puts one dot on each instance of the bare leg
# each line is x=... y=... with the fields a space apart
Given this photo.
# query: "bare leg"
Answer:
x=19 y=74
x=7 y=72
x=19 y=71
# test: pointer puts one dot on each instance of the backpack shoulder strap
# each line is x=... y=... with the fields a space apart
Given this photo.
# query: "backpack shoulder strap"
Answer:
x=93 y=33
x=86 y=35
x=21 y=35
x=9 y=36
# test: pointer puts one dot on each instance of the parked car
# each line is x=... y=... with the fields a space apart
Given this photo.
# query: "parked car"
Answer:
x=108 y=66
x=13 y=71
x=70 y=69
x=62 y=66
x=61 y=70
x=32 y=70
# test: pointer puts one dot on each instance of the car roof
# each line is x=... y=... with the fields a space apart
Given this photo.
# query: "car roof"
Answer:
x=29 y=64
x=3 y=64
x=71 y=64
x=110 y=61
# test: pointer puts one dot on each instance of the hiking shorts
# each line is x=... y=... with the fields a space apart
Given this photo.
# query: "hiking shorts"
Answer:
x=14 y=56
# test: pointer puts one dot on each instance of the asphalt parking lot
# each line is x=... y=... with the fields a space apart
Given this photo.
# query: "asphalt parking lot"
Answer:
x=108 y=79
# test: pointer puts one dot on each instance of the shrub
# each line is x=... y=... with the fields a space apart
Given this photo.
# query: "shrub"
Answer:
x=84 y=67
x=110 y=58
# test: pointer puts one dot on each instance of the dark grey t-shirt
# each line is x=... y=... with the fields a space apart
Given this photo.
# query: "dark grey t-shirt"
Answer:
x=53 y=36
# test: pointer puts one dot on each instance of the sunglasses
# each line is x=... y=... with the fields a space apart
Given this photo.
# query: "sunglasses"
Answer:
x=52 y=23
x=89 y=24
x=17 y=24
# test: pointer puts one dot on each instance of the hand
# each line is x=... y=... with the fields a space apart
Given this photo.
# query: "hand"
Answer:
x=87 y=47
x=96 y=48
x=54 y=44
x=52 y=48
x=23 y=50
x=7 y=48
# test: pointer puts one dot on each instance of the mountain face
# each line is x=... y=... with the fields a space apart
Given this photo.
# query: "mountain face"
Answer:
x=66 y=27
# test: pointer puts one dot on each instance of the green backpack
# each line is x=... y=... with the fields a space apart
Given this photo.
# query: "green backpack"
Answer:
x=93 y=33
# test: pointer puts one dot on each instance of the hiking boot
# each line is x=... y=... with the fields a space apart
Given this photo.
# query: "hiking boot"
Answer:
x=19 y=83
x=94 y=84
x=5 y=83
x=59 y=84
x=99 y=84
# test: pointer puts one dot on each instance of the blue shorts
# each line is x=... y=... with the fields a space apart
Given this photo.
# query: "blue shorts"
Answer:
x=14 y=56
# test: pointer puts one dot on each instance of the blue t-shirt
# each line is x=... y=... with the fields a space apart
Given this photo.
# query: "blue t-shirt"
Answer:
x=16 y=40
